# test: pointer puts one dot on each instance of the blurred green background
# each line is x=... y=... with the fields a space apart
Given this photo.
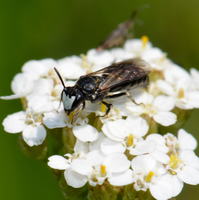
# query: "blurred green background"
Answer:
x=45 y=28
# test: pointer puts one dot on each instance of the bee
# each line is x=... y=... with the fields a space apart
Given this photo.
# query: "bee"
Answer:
x=121 y=33
x=108 y=83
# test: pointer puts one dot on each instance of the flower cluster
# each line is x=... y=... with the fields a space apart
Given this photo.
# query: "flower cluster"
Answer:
x=125 y=147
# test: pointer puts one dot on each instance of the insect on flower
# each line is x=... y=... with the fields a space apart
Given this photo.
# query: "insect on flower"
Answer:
x=121 y=33
x=108 y=83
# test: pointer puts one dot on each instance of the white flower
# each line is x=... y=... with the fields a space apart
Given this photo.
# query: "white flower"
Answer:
x=71 y=67
x=39 y=68
x=155 y=57
x=73 y=178
x=136 y=46
x=120 y=54
x=59 y=119
x=82 y=131
x=56 y=120
x=161 y=149
x=159 y=108
x=33 y=70
x=184 y=97
x=99 y=59
x=29 y=123
x=113 y=115
x=148 y=174
x=85 y=133
x=174 y=73
x=183 y=167
x=185 y=141
x=95 y=168
x=44 y=97
x=126 y=134
x=21 y=86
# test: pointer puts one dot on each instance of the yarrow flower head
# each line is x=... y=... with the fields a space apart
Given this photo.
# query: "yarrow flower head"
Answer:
x=112 y=140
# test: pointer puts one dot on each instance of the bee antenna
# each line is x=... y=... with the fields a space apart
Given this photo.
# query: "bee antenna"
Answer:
x=58 y=74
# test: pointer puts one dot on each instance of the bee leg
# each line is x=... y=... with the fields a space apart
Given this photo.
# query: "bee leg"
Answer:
x=74 y=113
x=83 y=106
x=116 y=95
x=108 y=105
x=132 y=99
x=122 y=94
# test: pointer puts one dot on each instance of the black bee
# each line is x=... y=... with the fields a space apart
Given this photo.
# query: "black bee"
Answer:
x=121 y=33
x=110 y=82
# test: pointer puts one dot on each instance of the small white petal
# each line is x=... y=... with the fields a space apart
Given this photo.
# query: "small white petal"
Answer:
x=95 y=157
x=70 y=67
x=160 y=156
x=22 y=84
x=15 y=123
x=189 y=158
x=120 y=54
x=13 y=96
x=194 y=99
x=186 y=140
x=117 y=130
x=175 y=182
x=122 y=179
x=160 y=140
x=81 y=146
x=81 y=166
x=55 y=120
x=116 y=163
x=41 y=103
x=162 y=190
x=164 y=103
x=74 y=179
x=34 y=135
x=183 y=105
x=85 y=133
x=139 y=125
x=102 y=58
x=146 y=162
x=142 y=147
x=42 y=86
x=135 y=109
x=165 y=118
x=97 y=143
x=58 y=162
x=174 y=73
x=109 y=146
x=189 y=175
x=165 y=87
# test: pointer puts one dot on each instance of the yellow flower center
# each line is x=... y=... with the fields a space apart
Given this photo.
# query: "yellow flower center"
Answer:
x=130 y=140
x=151 y=110
x=174 y=161
x=149 y=176
x=103 y=170
x=181 y=93
x=144 y=39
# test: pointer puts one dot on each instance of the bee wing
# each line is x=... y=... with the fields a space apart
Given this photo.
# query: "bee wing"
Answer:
x=125 y=71
x=102 y=72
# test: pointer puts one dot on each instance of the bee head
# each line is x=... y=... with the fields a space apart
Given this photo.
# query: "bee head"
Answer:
x=72 y=99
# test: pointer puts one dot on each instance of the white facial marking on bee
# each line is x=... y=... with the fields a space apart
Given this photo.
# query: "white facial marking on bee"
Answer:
x=67 y=101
